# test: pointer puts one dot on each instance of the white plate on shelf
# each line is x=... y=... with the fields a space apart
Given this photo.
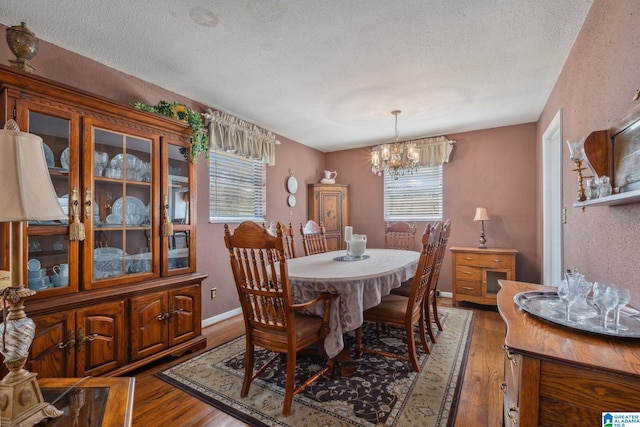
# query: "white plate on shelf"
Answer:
x=64 y=203
x=134 y=212
x=64 y=158
x=48 y=155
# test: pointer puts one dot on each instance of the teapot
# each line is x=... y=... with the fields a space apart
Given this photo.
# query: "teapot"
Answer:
x=357 y=245
x=329 y=177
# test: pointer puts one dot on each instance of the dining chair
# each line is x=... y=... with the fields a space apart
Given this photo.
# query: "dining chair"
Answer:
x=287 y=238
x=400 y=235
x=430 y=299
x=314 y=240
x=396 y=310
x=272 y=321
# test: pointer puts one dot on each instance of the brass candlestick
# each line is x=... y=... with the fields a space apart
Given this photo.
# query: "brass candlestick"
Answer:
x=579 y=169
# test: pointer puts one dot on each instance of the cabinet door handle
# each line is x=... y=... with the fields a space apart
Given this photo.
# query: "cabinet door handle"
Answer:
x=468 y=288
x=503 y=387
x=510 y=355
x=468 y=258
x=468 y=273
x=87 y=203
x=513 y=415
x=82 y=338
x=164 y=316
x=496 y=260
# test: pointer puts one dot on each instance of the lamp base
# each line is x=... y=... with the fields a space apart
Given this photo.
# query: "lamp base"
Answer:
x=22 y=404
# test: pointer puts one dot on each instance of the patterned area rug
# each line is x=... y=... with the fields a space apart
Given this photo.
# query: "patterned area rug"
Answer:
x=382 y=392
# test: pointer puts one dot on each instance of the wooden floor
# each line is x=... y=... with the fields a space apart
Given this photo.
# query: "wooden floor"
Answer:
x=158 y=403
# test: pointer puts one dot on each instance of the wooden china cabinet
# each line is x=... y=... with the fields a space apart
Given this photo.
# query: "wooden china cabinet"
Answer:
x=329 y=204
x=133 y=294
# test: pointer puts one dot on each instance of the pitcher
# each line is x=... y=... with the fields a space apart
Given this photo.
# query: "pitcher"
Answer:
x=329 y=177
x=358 y=245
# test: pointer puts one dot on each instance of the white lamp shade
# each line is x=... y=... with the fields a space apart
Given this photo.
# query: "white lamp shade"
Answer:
x=26 y=191
x=481 y=215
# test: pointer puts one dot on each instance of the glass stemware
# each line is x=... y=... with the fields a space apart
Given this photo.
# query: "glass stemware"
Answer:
x=609 y=300
x=568 y=294
x=623 y=299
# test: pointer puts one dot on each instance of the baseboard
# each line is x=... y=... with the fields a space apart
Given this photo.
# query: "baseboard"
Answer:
x=220 y=317
x=445 y=294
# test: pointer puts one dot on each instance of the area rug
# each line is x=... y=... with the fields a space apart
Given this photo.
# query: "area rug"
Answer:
x=382 y=392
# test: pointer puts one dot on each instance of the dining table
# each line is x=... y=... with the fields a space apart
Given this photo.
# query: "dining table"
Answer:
x=357 y=283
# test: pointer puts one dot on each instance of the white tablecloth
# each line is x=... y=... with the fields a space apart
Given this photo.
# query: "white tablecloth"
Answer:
x=359 y=285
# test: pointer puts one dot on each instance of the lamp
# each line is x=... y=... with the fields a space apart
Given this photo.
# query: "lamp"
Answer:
x=576 y=153
x=396 y=158
x=482 y=216
x=27 y=193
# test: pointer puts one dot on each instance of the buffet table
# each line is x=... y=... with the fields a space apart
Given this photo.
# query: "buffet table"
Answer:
x=556 y=375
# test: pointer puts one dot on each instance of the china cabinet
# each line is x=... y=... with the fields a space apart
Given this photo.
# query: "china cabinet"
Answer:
x=555 y=375
x=329 y=204
x=125 y=179
x=476 y=273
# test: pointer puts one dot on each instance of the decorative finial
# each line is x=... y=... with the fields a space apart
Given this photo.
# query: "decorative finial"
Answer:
x=11 y=125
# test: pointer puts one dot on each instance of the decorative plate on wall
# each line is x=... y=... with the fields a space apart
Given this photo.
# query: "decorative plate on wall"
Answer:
x=291 y=200
x=292 y=184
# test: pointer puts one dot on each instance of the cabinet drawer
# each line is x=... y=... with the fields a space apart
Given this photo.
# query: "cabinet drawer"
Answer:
x=484 y=260
x=465 y=272
x=469 y=288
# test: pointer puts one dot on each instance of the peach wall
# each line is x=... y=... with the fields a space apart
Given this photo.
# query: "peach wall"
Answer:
x=491 y=168
x=594 y=90
x=494 y=168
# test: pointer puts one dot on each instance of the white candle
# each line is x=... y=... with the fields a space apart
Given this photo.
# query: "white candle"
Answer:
x=348 y=232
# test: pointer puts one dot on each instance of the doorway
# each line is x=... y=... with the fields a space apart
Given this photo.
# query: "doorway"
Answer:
x=552 y=213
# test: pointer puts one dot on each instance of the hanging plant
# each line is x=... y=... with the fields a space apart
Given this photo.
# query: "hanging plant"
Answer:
x=199 y=136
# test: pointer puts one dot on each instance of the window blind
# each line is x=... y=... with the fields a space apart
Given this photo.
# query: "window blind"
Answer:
x=414 y=197
x=237 y=188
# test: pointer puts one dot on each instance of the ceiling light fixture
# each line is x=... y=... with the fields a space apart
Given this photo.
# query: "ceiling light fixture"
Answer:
x=395 y=158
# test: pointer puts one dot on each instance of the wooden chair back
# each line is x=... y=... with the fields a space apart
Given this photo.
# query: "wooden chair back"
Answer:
x=287 y=238
x=420 y=284
x=314 y=240
x=400 y=235
x=272 y=321
x=430 y=302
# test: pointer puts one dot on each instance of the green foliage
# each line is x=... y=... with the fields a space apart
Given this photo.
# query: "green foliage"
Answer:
x=199 y=136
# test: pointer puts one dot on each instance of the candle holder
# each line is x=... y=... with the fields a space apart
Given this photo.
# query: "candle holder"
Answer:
x=577 y=155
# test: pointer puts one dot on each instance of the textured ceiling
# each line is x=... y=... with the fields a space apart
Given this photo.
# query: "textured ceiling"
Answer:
x=328 y=73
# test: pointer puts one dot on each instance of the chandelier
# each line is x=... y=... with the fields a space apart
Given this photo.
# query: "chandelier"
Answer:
x=395 y=158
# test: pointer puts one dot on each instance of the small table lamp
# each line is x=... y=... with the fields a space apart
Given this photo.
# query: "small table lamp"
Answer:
x=27 y=194
x=482 y=216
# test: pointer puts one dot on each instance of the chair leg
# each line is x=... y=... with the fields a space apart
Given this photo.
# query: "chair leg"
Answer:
x=426 y=314
x=248 y=369
x=359 y=342
x=411 y=347
x=289 y=383
x=436 y=318
x=423 y=337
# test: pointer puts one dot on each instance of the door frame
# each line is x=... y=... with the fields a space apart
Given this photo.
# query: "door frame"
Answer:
x=552 y=209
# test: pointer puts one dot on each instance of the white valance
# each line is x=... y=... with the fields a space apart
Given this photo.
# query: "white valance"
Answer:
x=434 y=151
x=230 y=134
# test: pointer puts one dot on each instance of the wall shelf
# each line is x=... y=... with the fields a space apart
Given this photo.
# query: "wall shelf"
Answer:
x=613 y=200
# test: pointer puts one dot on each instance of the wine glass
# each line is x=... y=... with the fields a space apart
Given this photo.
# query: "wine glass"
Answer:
x=623 y=299
x=568 y=294
x=609 y=300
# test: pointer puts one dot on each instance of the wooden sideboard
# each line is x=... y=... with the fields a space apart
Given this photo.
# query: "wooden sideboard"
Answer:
x=476 y=273
x=558 y=376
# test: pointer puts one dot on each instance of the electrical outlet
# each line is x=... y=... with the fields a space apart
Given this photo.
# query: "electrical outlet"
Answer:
x=214 y=293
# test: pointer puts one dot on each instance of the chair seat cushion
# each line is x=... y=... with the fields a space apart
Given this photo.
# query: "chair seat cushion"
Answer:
x=404 y=289
x=392 y=309
x=306 y=326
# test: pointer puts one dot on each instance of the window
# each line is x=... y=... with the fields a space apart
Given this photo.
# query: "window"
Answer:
x=414 y=197
x=236 y=188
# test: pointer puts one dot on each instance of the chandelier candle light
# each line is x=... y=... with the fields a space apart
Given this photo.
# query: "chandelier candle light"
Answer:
x=27 y=194
x=482 y=216
x=396 y=158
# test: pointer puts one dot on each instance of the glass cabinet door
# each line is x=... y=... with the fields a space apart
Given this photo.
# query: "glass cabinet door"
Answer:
x=178 y=208
x=51 y=266
x=118 y=205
